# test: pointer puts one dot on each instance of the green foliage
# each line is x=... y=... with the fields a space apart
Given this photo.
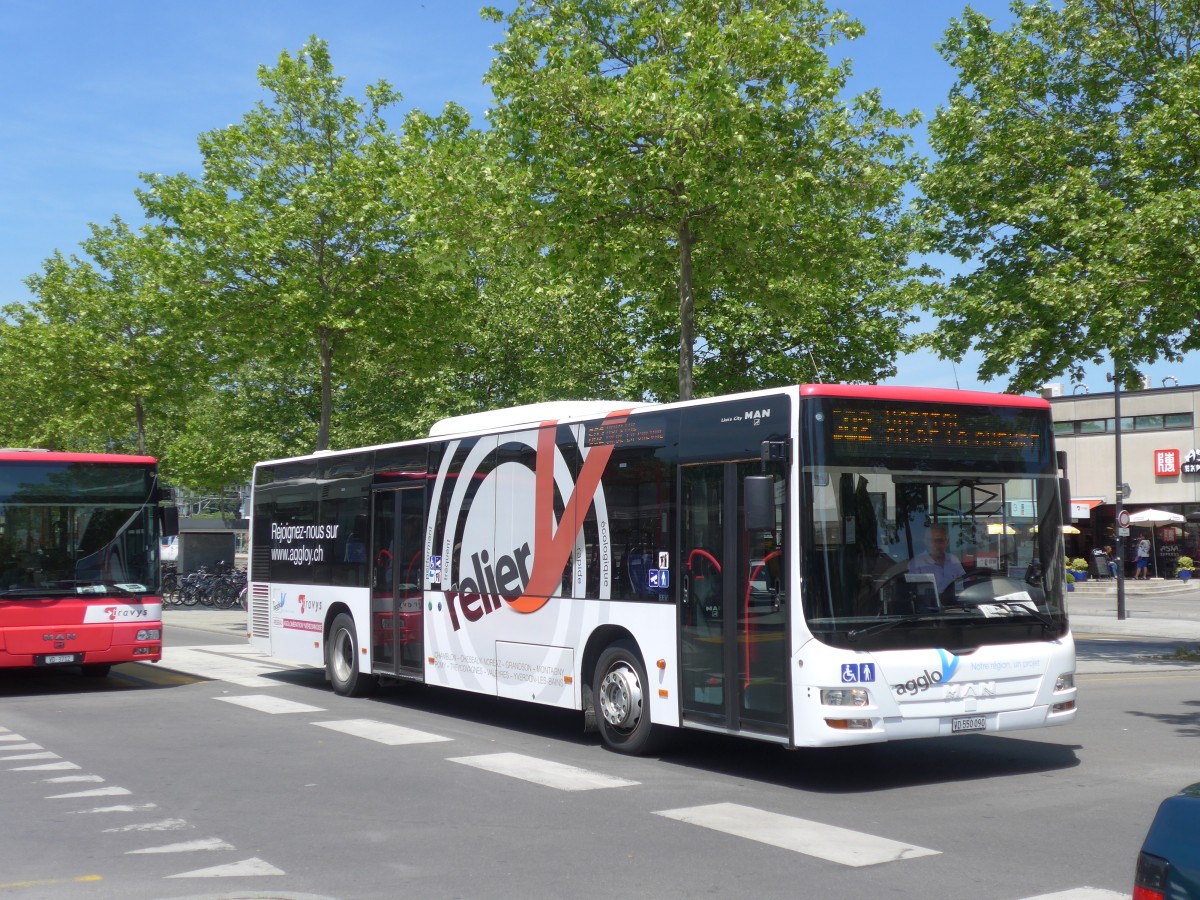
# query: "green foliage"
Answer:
x=1185 y=564
x=695 y=162
x=297 y=228
x=94 y=361
x=1079 y=564
x=1069 y=182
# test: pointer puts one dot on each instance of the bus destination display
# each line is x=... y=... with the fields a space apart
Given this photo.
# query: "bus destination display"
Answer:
x=650 y=431
x=864 y=431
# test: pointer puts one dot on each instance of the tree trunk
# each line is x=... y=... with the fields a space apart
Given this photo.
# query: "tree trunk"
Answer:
x=326 y=389
x=139 y=412
x=687 y=311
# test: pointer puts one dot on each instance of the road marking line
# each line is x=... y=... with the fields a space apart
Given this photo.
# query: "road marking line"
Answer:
x=268 y=704
x=839 y=845
x=46 y=767
x=45 y=755
x=246 y=867
x=164 y=825
x=67 y=779
x=96 y=792
x=540 y=771
x=124 y=807
x=8 y=736
x=15 y=747
x=1083 y=893
x=382 y=732
x=186 y=847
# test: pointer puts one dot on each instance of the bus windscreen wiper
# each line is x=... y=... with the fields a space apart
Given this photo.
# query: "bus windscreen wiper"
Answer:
x=892 y=623
x=1016 y=607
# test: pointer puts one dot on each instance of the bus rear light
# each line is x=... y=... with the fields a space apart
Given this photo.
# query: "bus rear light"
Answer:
x=848 y=724
x=1150 y=879
x=149 y=634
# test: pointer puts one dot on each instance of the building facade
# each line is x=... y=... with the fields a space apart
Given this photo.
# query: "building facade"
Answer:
x=1160 y=464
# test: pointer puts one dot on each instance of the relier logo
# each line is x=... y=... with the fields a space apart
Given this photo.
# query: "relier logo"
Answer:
x=927 y=679
x=488 y=575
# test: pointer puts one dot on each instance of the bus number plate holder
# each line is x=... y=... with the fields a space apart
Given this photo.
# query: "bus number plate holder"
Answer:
x=59 y=659
x=968 y=723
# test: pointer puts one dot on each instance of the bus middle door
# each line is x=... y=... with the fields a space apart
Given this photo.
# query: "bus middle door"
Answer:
x=733 y=614
x=397 y=580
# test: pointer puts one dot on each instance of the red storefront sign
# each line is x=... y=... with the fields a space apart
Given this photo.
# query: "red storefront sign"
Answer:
x=1166 y=462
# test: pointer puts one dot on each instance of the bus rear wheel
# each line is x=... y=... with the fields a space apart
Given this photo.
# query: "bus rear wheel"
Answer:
x=620 y=692
x=341 y=660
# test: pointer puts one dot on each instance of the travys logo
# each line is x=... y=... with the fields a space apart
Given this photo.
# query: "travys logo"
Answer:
x=514 y=534
x=928 y=679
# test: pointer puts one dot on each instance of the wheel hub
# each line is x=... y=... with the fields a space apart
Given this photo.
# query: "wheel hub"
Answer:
x=621 y=697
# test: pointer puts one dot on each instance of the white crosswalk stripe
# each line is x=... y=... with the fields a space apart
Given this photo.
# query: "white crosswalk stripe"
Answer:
x=540 y=771
x=268 y=704
x=1083 y=893
x=382 y=732
x=839 y=845
x=246 y=868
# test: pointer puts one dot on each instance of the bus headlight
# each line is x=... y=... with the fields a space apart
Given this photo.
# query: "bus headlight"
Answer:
x=844 y=697
x=1064 y=682
x=149 y=634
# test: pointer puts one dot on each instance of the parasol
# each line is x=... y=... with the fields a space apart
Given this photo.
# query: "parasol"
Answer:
x=1152 y=517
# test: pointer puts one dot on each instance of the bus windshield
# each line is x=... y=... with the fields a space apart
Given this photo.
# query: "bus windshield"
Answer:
x=76 y=528
x=892 y=556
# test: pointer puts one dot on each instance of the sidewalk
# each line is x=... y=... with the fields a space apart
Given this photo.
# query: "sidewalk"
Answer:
x=219 y=621
x=1154 y=610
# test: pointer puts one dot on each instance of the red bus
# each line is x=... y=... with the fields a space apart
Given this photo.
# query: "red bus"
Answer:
x=79 y=573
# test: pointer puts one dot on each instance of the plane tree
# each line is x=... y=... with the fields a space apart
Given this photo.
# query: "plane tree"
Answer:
x=1067 y=184
x=693 y=164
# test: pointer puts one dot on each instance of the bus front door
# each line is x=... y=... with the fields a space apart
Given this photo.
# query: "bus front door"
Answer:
x=732 y=614
x=397 y=636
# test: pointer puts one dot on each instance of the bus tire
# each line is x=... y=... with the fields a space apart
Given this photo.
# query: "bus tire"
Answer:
x=622 y=701
x=341 y=660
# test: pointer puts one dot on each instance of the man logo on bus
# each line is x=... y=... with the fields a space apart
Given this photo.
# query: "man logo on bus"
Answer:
x=531 y=572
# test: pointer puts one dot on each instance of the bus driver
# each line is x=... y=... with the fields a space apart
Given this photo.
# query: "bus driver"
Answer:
x=936 y=561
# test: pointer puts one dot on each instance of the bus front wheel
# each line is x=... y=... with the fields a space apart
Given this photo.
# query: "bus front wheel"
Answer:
x=341 y=660
x=621 y=694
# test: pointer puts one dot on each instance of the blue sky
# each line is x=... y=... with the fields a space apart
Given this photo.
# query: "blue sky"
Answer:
x=99 y=92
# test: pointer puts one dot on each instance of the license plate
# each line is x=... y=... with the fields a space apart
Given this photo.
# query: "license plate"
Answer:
x=58 y=659
x=968 y=723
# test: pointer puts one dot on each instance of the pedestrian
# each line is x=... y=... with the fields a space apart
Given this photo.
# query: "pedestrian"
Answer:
x=1142 y=571
x=1112 y=563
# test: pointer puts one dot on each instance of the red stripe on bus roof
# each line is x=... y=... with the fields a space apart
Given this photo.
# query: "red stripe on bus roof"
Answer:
x=54 y=456
x=920 y=395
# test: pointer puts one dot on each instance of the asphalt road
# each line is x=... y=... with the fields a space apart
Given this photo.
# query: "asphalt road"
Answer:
x=221 y=775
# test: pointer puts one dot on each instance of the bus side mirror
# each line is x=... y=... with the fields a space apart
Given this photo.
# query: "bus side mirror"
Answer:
x=760 y=502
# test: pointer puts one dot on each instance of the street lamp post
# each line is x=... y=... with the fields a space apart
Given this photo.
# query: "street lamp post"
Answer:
x=1116 y=380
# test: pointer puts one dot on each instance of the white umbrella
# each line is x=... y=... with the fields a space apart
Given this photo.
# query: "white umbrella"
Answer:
x=1154 y=517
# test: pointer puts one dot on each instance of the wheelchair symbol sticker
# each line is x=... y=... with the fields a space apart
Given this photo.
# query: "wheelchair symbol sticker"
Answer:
x=857 y=673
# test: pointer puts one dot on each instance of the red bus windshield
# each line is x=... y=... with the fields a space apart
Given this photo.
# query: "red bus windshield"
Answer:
x=70 y=526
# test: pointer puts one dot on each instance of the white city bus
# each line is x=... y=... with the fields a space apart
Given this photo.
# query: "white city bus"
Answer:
x=753 y=564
